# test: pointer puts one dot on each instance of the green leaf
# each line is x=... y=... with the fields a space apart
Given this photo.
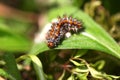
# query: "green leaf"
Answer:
x=82 y=76
x=71 y=77
x=99 y=75
x=62 y=76
x=93 y=37
x=36 y=63
x=38 y=67
x=99 y=64
x=11 y=66
x=10 y=41
x=78 y=70
x=3 y=73
x=76 y=63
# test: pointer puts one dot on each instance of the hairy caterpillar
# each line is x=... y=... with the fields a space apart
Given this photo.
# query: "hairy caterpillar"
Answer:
x=60 y=28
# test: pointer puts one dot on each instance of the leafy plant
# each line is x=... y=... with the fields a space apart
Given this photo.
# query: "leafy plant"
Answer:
x=93 y=37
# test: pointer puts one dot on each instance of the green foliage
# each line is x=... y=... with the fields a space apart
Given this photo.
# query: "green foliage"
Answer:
x=12 y=69
x=10 y=41
x=5 y=74
x=93 y=37
x=83 y=69
x=36 y=63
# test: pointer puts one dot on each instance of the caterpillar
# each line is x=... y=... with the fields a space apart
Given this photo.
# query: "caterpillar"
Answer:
x=60 y=28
